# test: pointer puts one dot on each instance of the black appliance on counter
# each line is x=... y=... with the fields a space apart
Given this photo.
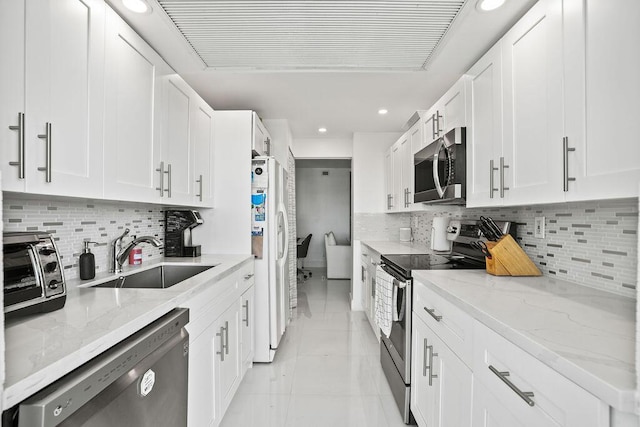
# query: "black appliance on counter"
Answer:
x=33 y=274
x=395 y=350
x=177 y=233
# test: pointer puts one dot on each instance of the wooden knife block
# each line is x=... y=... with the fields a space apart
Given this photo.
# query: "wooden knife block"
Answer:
x=508 y=259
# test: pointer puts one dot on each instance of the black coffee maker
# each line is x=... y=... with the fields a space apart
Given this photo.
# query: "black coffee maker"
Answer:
x=177 y=233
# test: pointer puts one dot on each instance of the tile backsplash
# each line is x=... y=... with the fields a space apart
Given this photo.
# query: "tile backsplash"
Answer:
x=73 y=222
x=589 y=243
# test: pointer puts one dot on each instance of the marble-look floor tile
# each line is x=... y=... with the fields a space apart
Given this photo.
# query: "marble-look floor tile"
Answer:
x=257 y=410
x=333 y=375
x=335 y=411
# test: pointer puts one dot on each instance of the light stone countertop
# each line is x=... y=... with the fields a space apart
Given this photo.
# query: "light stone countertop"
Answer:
x=397 y=247
x=585 y=334
x=40 y=349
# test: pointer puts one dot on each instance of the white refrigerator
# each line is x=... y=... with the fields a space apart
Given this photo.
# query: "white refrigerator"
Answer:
x=270 y=245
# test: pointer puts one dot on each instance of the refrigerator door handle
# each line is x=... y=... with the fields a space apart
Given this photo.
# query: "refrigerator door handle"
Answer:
x=282 y=210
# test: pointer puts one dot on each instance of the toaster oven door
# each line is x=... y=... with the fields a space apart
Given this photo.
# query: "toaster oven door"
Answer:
x=22 y=278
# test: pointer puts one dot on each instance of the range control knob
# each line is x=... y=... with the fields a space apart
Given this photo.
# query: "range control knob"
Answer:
x=50 y=267
x=54 y=284
x=47 y=251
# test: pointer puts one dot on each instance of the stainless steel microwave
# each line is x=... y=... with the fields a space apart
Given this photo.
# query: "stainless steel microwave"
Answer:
x=441 y=170
x=33 y=275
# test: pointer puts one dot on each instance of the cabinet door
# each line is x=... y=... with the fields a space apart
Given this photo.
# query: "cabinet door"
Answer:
x=227 y=354
x=484 y=143
x=133 y=73
x=388 y=180
x=202 y=409
x=406 y=173
x=416 y=138
x=202 y=146
x=397 y=199
x=441 y=383
x=604 y=98
x=12 y=44
x=64 y=96
x=430 y=126
x=247 y=330
x=176 y=146
x=454 y=106
x=261 y=138
x=531 y=162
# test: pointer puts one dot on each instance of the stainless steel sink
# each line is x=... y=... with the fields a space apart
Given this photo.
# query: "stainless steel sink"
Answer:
x=160 y=277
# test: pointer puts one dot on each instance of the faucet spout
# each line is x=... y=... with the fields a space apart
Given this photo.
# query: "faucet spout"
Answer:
x=122 y=256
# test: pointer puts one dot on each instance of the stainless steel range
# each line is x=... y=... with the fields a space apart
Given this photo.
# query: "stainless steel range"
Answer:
x=395 y=349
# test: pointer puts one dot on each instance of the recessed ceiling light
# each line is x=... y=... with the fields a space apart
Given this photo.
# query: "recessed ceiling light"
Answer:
x=322 y=130
x=382 y=111
x=487 y=5
x=137 y=6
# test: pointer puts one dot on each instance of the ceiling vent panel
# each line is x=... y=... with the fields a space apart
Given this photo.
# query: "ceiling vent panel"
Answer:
x=313 y=35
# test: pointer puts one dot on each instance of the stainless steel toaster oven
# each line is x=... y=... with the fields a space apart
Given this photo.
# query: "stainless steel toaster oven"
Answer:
x=33 y=274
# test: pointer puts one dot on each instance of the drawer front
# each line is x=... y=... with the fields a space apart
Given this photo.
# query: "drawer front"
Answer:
x=246 y=276
x=450 y=323
x=511 y=374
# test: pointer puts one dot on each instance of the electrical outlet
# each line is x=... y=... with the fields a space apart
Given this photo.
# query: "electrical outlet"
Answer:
x=538 y=227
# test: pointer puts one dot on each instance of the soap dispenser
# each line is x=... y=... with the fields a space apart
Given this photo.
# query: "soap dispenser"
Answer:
x=87 y=262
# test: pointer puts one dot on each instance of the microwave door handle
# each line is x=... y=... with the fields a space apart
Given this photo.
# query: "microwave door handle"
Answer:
x=436 y=174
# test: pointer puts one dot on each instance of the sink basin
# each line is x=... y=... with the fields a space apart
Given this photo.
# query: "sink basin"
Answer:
x=160 y=277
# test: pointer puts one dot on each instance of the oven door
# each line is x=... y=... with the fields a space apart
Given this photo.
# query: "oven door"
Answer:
x=399 y=341
x=22 y=275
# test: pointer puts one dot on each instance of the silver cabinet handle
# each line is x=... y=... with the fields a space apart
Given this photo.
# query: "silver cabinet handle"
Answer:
x=409 y=198
x=199 y=181
x=168 y=172
x=433 y=127
x=502 y=168
x=267 y=147
x=161 y=170
x=47 y=152
x=226 y=337
x=425 y=348
x=429 y=348
x=20 y=163
x=248 y=276
x=432 y=312
x=491 y=187
x=221 y=335
x=524 y=395
x=565 y=157
x=438 y=117
x=246 y=311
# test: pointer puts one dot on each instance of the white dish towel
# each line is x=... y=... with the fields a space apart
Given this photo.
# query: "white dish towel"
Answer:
x=386 y=295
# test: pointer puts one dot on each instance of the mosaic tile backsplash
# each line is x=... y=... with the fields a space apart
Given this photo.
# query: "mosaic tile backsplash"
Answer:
x=589 y=243
x=73 y=222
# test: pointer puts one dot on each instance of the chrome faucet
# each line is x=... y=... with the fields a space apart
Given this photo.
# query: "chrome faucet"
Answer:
x=120 y=255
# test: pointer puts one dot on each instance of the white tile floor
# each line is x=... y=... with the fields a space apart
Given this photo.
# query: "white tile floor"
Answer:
x=326 y=372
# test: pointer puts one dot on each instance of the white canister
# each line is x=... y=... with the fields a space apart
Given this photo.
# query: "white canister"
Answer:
x=405 y=234
x=439 y=241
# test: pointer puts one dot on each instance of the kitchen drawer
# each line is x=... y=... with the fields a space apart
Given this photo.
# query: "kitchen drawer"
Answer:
x=246 y=276
x=556 y=401
x=453 y=326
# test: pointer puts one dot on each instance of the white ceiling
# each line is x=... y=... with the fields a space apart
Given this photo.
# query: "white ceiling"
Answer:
x=343 y=98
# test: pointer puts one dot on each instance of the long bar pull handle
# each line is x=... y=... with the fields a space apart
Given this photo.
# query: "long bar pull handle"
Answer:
x=20 y=163
x=425 y=367
x=47 y=153
x=246 y=312
x=168 y=172
x=161 y=170
x=408 y=198
x=226 y=337
x=502 y=168
x=433 y=127
x=199 y=181
x=221 y=335
x=492 y=169
x=438 y=128
x=431 y=356
x=432 y=313
x=565 y=156
x=524 y=395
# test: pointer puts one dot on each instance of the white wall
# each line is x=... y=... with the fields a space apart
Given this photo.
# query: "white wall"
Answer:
x=368 y=170
x=322 y=205
x=322 y=148
x=281 y=139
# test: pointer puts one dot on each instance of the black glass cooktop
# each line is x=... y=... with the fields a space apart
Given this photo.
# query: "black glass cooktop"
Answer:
x=405 y=264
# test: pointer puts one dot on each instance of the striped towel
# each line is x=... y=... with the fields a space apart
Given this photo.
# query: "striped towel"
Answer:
x=386 y=294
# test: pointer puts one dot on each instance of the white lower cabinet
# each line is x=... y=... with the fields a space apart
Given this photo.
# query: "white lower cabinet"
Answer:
x=218 y=340
x=440 y=382
x=524 y=389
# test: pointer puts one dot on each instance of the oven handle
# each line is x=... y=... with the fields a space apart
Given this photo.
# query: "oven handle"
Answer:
x=401 y=281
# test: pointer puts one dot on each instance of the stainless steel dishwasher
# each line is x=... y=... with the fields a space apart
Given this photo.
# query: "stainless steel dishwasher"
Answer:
x=142 y=381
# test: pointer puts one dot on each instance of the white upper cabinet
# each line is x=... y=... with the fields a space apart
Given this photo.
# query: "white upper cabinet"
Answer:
x=261 y=137
x=603 y=103
x=55 y=81
x=454 y=106
x=132 y=154
x=485 y=135
x=531 y=162
x=202 y=149
x=388 y=180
